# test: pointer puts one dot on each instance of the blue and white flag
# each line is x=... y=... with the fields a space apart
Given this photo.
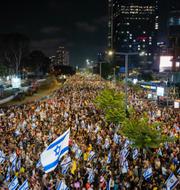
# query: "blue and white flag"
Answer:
x=65 y=165
x=54 y=152
x=108 y=185
x=124 y=154
x=24 y=186
x=91 y=176
x=18 y=165
x=13 y=166
x=147 y=173
x=166 y=145
x=106 y=145
x=159 y=152
x=99 y=139
x=74 y=147
x=91 y=155
x=62 y=186
x=66 y=161
x=2 y=157
x=178 y=171
x=65 y=169
x=78 y=153
x=38 y=165
x=13 y=157
x=109 y=158
x=135 y=154
x=116 y=138
x=126 y=144
x=171 y=182
x=8 y=175
x=14 y=184
x=125 y=167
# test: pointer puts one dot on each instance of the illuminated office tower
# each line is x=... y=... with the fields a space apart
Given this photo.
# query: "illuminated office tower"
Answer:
x=133 y=27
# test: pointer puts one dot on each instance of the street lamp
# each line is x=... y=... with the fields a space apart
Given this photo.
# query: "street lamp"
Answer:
x=110 y=53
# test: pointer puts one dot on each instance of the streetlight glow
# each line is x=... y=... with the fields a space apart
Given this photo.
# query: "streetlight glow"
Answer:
x=110 y=53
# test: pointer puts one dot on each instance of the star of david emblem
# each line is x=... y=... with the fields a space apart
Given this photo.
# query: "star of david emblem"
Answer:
x=57 y=150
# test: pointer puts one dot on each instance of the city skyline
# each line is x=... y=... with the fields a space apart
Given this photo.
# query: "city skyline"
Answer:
x=80 y=26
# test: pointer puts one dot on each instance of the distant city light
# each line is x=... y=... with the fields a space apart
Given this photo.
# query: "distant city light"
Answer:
x=165 y=63
x=135 y=81
x=142 y=53
x=16 y=82
x=110 y=53
x=160 y=91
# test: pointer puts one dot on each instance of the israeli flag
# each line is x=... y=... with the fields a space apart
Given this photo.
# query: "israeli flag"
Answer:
x=124 y=154
x=65 y=164
x=125 y=167
x=106 y=145
x=109 y=158
x=91 y=176
x=8 y=176
x=135 y=154
x=116 y=138
x=62 y=186
x=159 y=152
x=14 y=184
x=171 y=182
x=24 y=186
x=147 y=173
x=38 y=165
x=99 y=139
x=78 y=153
x=18 y=166
x=126 y=144
x=54 y=152
x=65 y=169
x=13 y=157
x=91 y=155
x=74 y=148
x=13 y=167
x=66 y=161
x=178 y=171
x=2 y=157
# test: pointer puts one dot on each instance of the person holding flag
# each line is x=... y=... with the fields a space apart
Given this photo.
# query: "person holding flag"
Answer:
x=54 y=152
x=171 y=182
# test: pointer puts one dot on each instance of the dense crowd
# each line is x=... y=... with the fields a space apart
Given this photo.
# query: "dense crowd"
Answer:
x=26 y=130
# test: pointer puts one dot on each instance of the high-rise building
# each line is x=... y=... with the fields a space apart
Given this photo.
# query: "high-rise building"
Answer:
x=174 y=33
x=62 y=56
x=133 y=27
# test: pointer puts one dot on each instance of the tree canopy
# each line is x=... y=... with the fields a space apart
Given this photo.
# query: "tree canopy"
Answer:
x=113 y=105
x=142 y=133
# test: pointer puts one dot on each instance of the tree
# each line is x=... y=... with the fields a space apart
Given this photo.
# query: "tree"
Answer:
x=37 y=62
x=3 y=70
x=113 y=105
x=14 y=47
x=142 y=133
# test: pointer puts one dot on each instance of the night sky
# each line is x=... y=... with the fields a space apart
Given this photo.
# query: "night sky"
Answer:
x=80 y=25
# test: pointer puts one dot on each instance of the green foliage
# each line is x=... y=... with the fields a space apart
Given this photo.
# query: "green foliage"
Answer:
x=135 y=87
x=112 y=103
x=142 y=133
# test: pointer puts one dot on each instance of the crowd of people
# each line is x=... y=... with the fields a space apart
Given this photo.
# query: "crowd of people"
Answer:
x=100 y=157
